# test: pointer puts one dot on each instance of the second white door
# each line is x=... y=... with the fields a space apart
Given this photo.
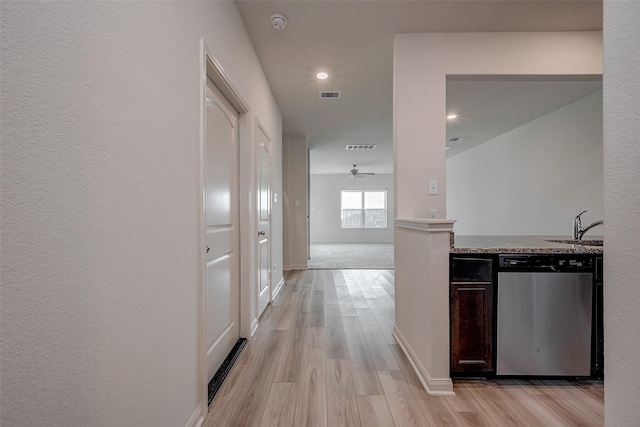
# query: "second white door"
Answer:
x=264 y=219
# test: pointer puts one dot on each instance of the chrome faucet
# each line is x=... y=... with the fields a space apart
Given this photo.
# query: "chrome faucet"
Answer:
x=578 y=231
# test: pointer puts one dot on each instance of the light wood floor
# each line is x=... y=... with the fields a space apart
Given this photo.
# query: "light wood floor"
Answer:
x=324 y=356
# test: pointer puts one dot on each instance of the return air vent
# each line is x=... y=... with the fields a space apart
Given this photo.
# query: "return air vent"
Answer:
x=456 y=139
x=360 y=147
x=330 y=94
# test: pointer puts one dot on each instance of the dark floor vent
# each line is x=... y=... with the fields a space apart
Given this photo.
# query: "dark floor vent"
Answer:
x=223 y=371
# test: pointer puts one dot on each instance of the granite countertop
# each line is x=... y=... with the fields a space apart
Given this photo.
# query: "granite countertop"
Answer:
x=519 y=245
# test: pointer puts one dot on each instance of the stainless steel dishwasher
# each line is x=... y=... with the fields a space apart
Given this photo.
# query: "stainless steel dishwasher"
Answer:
x=544 y=315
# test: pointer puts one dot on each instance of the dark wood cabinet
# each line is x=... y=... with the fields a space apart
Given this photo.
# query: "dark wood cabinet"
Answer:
x=473 y=302
x=471 y=310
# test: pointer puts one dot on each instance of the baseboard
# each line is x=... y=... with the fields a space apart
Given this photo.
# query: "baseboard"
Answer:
x=296 y=267
x=197 y=418
x=254 y=326
x=277 y=289
x=433 y=386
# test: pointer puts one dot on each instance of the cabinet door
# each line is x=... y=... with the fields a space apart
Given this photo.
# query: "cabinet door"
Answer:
x=471 y=319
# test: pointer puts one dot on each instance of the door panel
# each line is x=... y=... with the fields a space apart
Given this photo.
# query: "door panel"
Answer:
x=263 y=248
x=219 y=175
x=471 y=327
x=219 y=296
x=219 y=241
x=222 y=291
x=264 y=219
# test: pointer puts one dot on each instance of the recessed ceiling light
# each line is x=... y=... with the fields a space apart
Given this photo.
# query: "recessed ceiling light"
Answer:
x=452 y=116
x=322 y=75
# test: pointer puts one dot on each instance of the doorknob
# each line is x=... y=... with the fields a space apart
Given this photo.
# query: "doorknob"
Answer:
x=261 y=233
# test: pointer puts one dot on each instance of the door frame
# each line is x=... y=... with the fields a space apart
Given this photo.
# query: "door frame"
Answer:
x=209 y=66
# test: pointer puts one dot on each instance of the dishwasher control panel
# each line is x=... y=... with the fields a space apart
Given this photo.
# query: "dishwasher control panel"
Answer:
x=561 y=262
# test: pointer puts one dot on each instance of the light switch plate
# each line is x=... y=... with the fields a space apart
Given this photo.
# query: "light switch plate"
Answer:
x=433 y=186
x=433 y=213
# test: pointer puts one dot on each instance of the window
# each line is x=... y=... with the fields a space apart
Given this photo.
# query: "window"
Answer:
x=364 y=209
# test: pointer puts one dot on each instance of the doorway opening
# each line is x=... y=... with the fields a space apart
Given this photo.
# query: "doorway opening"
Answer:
x=351 y=206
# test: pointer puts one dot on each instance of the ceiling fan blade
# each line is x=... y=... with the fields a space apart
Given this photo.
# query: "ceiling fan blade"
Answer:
x=355 y=174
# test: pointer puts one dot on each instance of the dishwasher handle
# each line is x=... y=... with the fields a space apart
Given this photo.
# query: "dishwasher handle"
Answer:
x=550 y=263
x=513 y=261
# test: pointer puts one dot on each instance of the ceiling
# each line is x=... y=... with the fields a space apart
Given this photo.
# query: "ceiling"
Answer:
x=353 y=42
x=489 y=107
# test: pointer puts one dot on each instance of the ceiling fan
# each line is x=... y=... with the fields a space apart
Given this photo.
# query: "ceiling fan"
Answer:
x=355 y=174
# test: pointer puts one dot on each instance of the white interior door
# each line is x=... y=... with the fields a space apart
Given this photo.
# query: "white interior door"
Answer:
x=222 y=290
x=264 y=219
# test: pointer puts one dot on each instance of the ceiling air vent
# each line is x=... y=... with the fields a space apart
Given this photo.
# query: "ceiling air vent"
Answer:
x=456 y=139
x=330 y=94
x=360 y=147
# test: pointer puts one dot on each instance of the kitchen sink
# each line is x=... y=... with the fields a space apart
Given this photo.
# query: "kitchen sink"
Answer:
x=588 y=242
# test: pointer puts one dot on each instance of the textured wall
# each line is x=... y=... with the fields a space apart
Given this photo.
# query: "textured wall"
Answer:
x=100 y=136
x=325 y=215
x=535 y=178
x=622 y=211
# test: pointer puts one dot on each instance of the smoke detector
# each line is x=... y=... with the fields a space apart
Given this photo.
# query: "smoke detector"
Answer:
x=278 y=21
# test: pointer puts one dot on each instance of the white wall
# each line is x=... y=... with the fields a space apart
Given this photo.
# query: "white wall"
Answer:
x=295 y=173
x=622 y=212
x=533 y=179
x=325 y=222
x=100 y=238
x=421 y=65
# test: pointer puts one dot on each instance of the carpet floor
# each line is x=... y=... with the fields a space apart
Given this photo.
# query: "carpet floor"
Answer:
x=351 y=255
